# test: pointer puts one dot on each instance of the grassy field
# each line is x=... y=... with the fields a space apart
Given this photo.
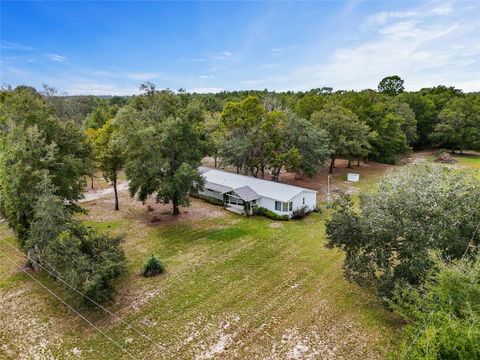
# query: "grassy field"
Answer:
x=235 y=287
x=469 y=159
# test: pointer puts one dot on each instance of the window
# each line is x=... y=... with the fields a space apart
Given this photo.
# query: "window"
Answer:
x=303 y=201
x=283 y=206
x=278 y=206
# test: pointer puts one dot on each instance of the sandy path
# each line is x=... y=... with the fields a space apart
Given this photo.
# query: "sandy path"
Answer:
x=97 y=194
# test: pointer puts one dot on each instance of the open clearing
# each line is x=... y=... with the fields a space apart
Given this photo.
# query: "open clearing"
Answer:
x=235 y=287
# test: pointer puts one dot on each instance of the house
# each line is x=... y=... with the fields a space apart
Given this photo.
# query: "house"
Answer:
x=242 y=194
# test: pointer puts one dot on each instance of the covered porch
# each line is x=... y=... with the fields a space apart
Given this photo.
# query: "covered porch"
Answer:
x=241 y=201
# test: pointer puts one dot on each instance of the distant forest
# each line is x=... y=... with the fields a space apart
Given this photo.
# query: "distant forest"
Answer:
x=254 y=130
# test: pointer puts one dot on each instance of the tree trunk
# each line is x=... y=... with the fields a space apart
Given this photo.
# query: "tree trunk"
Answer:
x=215 y=159
x=176 y=211
x=349 y=164
x=238 y=170
x=116 y=192
x=33 y=264
x=332 y=164
x=453 y=150
x=91 y=182
x=358 y=161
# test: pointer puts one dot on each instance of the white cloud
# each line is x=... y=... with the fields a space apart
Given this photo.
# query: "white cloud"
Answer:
x=419 y=46
x=15 y=71
x=94 y=88
x=268 y=81
x=55 y=57
x=207 y=90
x=224 y=55
x=382 y=17
x=283 y=49
x=142 y=76
x=14 y=46
x=205 y=77
x=445 y=9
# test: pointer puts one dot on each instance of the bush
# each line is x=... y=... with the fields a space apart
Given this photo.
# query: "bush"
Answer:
x=153 y=267
x=88 y=261
x=300 y=212
x=211 y=200
x=270 y=214
x=83 y=258
x=444 y=313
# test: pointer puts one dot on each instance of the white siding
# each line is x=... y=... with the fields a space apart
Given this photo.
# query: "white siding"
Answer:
x=268 y=204
x=310 y=202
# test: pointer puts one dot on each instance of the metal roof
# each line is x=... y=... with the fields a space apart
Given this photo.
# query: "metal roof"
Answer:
x=217 y=187
x=203 y=169
x=246 y=193
x=263 y=188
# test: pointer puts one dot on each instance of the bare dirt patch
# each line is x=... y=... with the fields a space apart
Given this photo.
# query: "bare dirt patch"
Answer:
x=149 y=213
x=368 y=171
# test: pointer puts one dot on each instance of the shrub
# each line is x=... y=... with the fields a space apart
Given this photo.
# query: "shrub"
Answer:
x=300 y=212
x=83 y=258
x=211 y=200
x=153 y=267
x=270 y=214
x=444 y=313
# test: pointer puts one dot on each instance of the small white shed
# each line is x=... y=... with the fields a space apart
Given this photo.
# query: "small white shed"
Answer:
x=353 y=177
x=244 y=193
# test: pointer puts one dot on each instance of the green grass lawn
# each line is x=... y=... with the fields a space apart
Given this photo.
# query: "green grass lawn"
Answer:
x=467 y=160
x=472 y=161
x=234 y=287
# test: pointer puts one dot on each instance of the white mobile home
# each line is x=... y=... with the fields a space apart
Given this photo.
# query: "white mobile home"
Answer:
x=243 y=194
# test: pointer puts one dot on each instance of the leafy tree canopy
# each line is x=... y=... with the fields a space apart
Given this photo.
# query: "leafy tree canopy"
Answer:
x=391 y=85
x=348 y=135
x=164 y=146
x=416 y=209
x=34 y=143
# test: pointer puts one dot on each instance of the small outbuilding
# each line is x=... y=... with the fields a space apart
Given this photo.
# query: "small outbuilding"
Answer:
x=243 y=194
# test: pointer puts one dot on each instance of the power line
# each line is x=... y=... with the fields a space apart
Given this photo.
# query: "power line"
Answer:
x=71 y=308
x=161 y=347
x=344 y=185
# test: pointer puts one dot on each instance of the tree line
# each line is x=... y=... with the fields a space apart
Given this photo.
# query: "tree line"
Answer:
x=50 y=145
x=260 y=132
x=43 y=164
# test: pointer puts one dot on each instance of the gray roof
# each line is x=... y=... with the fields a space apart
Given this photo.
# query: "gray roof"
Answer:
x=261 y=187
x=203 y=169
x=246 y=193
x=222 y=189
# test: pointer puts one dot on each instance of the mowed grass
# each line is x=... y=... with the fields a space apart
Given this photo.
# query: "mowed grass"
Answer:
x=469 y=159
x=234 y=288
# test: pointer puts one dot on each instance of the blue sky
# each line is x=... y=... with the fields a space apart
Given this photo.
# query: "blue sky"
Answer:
x=110 y=47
